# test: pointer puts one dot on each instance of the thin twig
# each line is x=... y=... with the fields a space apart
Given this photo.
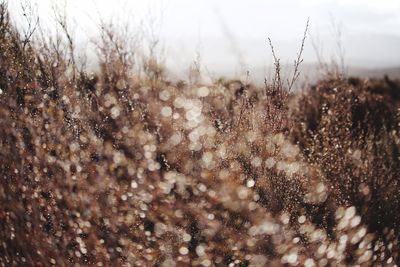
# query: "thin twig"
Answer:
x=299 y=60
x=277 y=78
x=28 y=14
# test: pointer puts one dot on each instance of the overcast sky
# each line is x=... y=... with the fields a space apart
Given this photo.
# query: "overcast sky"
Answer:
x=228 y=32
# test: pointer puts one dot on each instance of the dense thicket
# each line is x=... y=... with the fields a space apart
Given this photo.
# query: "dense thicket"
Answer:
x=117 y=168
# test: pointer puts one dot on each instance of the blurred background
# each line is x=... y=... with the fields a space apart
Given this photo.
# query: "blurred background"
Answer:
x=229 y=38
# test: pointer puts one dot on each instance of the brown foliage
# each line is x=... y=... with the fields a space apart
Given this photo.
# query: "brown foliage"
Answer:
x=108 y=169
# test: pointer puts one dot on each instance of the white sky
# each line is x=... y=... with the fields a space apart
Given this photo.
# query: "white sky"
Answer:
x=228 y=32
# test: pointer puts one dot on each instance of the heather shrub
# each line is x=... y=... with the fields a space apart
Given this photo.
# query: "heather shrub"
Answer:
x=123 y=167
x=350 y=130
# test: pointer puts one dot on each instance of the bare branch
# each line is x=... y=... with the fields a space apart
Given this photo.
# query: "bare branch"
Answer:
x=61 y=20
x=299 y=60
x=32 y=23
x=277 y=82
x=338 y=36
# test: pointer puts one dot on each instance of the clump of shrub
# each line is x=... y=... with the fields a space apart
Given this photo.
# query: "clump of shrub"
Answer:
x=125 y=168
x=350 y=129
